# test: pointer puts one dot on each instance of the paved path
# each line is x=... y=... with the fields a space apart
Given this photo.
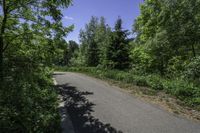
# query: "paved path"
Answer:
x=94 y=106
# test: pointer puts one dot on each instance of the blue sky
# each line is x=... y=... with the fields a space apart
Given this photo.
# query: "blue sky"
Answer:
x=81 y=11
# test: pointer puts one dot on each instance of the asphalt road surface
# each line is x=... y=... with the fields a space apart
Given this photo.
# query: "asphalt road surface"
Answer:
x=94 y=106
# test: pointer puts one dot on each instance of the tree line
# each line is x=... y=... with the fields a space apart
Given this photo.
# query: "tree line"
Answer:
x=166 y=42
x=102 y=46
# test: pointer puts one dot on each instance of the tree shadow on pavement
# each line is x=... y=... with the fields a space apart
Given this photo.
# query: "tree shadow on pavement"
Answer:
x=79 y=109
x=58 y=73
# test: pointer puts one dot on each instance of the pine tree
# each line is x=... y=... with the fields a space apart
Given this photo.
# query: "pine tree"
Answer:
x=117 y=52
x=101 y=38
x=70 y=51
x=90 y=46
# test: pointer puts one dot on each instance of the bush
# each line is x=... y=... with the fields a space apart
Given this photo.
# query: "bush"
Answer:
x=155 y=82
x=29 y=104
x=141 y=60
x=176 y=66
x=193 y=70
x=183 y=90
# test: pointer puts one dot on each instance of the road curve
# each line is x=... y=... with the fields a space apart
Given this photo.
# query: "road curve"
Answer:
x=96 y=106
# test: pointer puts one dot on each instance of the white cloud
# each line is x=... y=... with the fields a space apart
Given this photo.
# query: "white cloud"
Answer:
x=68 y=18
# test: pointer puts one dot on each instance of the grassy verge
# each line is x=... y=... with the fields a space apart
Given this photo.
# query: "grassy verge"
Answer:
x=188 y=93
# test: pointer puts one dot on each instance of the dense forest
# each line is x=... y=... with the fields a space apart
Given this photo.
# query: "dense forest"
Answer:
x=161 y=52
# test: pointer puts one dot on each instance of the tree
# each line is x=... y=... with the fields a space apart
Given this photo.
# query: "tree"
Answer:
x=147 y=24
x=30 y=15
x=169 y=30
x=31 y=35
x=90 y=46
x=117 y=51
x=70 y=52
x=160 y=52
x=101 y=38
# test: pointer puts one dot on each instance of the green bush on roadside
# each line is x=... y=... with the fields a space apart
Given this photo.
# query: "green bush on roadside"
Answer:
x=29 y=103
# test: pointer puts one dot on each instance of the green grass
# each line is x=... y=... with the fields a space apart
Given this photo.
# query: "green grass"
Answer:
x=185 y=91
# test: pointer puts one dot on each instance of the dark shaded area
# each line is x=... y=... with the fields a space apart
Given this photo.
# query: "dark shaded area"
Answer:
x=57 y=74
x=79 y=109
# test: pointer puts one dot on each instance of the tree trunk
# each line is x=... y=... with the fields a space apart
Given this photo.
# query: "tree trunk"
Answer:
x=3 y=26
x=193 y=50
x=1 y=59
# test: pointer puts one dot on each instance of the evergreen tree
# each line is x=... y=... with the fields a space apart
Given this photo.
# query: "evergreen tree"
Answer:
x=117 y=52
x=90 y=46
x=102 y=38
x=70 y=52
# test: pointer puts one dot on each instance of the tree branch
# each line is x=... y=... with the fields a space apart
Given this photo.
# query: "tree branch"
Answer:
x=6 y=46
x=18 y=6
x=4 y=17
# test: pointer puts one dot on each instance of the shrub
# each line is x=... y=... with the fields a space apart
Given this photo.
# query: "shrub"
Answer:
x=29 y=104
x=185 y=91
x=193 y=70
x=155 y=82
x=176 y=66
x=141 y=60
